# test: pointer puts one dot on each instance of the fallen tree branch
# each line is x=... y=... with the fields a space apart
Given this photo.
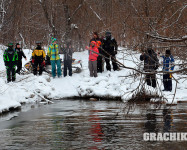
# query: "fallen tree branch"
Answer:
x=42 y=97
x=167 y=39
x=130 y=68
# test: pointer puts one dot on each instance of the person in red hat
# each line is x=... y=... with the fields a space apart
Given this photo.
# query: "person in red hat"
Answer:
x=99 y=58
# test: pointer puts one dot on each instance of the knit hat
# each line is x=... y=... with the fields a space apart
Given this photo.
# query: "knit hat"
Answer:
x=53 y=40
x=17 y=44
x=10 y=44
x=93 y=43
x=108 y=34
x=38 y=42
x=95 y=33
x=168 y=52
x=150 y=50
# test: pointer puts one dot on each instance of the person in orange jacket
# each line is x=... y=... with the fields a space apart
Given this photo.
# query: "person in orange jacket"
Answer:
x=93 y=54
x=99 y=58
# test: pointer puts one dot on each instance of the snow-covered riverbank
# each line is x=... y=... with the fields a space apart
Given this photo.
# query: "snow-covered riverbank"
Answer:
x=30 y=88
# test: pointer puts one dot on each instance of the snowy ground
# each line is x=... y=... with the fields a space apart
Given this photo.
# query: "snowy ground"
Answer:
x=30 y=88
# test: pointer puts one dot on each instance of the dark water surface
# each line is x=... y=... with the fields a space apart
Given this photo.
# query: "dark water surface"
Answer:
x=76 y=124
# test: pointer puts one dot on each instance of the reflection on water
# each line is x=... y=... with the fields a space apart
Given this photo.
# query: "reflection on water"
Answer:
x=168 y=118
x=150 y=124
x=93 y=125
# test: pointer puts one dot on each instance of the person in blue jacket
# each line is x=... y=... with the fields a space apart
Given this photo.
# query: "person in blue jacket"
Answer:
x=168 y=66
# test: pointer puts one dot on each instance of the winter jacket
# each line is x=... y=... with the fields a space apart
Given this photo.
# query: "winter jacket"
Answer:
x=168 y=63
x=67 y=53
x=38 y=54
x=20 y=53
x=93 y=56
x=10 y=57
x=151 y=61
x=110 y=46
x=53 y=52
x=98 y=43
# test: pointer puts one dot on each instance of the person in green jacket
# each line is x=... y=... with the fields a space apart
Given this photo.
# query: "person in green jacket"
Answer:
x=10 y=58
x=53 y=53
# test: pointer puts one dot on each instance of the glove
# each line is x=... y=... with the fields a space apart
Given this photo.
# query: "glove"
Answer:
x=156 y=66
x=43 y=63
x=87 y=47
x=32 y=61
x=115 y=52
x=170 y=74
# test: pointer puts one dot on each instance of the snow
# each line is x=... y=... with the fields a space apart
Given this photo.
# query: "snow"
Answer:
x=122 y=84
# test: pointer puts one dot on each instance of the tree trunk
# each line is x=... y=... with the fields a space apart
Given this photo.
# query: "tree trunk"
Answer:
x=68 y=24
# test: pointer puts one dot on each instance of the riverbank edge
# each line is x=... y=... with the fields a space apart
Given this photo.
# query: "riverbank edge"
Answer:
x=91 y=98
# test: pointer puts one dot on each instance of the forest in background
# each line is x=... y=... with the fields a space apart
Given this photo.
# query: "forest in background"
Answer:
x=133 y=23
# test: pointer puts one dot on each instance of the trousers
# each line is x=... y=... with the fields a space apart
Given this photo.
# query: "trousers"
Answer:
x=93 y=68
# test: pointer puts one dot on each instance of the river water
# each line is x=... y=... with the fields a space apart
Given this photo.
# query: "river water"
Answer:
x=77 y=124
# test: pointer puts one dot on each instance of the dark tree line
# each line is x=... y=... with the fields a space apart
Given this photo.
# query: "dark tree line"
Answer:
x=133 y=23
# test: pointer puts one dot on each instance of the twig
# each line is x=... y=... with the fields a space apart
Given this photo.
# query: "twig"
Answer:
x=43 y=98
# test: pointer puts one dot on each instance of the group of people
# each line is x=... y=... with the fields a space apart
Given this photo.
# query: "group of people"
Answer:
x=151 y=64
x=107 y=48
x=12 y=58
x=99 y=49
x=38 y=58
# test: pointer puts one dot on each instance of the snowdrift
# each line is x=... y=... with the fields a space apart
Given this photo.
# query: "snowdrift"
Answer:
x=123 y=84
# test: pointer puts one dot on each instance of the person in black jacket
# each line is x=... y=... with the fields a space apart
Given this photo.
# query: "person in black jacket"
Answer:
x=21 y=54
x=10 y=58
x=151 y=64
x=99 y=58
x=110 y=46
x=67 y=51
